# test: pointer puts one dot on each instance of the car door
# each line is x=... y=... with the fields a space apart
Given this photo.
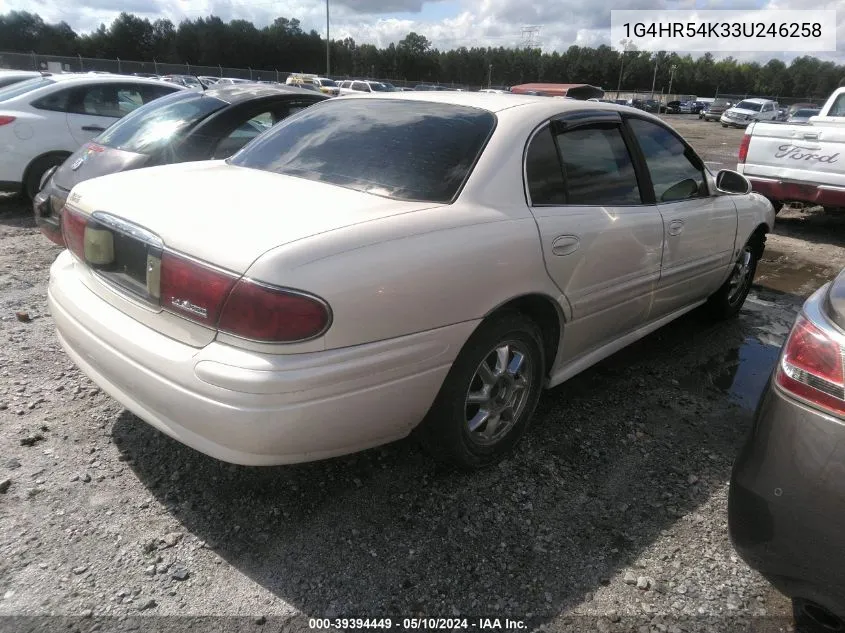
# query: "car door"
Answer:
x=601 y=241
x=699 y=226
x=95 y=107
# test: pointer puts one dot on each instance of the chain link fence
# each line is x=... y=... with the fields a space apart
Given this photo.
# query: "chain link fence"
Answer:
x=79 y=64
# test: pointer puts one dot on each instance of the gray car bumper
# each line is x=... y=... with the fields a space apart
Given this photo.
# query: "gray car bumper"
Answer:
x=786 y=508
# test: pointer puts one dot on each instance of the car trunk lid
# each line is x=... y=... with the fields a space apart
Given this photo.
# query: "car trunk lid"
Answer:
x=92 y=160
x=213 y=213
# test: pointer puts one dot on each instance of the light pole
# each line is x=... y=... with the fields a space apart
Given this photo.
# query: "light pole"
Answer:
x=625 y=44
x=672 y=68
x=328 y=43
x=654 y=80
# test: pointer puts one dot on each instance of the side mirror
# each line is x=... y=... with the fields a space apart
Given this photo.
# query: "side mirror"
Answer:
x=732 y=182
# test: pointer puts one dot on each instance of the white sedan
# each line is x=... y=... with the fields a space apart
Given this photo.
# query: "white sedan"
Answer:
x=379 y=264
x=45 y=119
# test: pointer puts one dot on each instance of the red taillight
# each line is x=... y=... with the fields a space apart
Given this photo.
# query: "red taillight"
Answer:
x=743 y=147
x=811 y=367
x=73 y=231
x=193 y=290
x=5 y=120
x=266 y=313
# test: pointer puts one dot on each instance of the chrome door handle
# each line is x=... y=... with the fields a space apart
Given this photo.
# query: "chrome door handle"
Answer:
x=565 y=244
x=676 y=227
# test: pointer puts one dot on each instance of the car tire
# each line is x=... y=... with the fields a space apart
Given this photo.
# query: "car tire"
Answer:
x=501 y=369
x=727 y=301
x=36 y=171
x=724 y=125
x=810 y=618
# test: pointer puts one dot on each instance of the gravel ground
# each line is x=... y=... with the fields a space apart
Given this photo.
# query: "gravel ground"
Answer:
x=611 y=515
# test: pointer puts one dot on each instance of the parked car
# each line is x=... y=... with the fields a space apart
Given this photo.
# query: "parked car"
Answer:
x=323 y=84
x=786 y=506
x=188 y=81
x=801 y=163
x=430 y=87
x=9 y=77
x=44 y=120
x=790 y=111
x=186 y=126
x=228 y=81
x=803 y=115
x=717 y=108
x=358 y=86
x=206 y=301
x=749 y=110
x=673 y=107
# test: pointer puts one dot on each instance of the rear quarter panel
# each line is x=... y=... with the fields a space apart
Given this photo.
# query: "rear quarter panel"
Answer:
x=411 y=273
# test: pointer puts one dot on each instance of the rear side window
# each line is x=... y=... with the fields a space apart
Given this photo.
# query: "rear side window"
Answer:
x=381 y=147
x=597 y=167
x=151 y=126
x=58 y=101
x=543 y=171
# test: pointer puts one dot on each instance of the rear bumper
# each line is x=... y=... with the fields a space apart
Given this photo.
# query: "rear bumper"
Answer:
x=246 y=407
x=786 y=507
x=785 y=190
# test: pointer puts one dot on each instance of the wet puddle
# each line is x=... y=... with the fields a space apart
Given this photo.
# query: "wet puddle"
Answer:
x=781 y=272
x=741 y=374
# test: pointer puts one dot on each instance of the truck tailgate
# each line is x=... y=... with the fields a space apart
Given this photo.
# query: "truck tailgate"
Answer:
x=796 y=152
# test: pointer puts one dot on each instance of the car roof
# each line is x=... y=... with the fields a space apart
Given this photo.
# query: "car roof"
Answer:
x=237 y=93
x=72 y=78
x=758 y=100
x=542 y=106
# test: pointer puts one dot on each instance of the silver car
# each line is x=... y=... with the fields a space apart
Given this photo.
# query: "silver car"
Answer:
x=786 y=506
x=392 y=263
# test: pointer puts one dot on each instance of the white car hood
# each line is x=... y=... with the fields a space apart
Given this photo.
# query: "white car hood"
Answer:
x=230 y=215
x=744 y=111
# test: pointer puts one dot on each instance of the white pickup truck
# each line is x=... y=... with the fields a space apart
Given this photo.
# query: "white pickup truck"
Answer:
x=800 y=164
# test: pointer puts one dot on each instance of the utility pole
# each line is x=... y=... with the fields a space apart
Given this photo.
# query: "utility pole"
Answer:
x=654 y=80
x=672 y=68
x=490 y=76
x=328 y=43
x=625 y=44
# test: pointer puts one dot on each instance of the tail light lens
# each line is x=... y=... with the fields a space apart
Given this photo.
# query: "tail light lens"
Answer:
x=192 y=289
x=5 y=120
x=73 y=231
x=210 y=296
x=743 y=147
x=811 y=367
x=267 y=313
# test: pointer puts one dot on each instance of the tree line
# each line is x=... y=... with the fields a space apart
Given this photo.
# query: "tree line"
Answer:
x=285 y=46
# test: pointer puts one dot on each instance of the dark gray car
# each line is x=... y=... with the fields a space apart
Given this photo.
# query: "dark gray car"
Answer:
x=184 y=126
x=787 y=497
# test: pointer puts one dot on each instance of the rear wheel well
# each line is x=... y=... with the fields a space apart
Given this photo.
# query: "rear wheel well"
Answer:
x=58 y=154
x=543 y=311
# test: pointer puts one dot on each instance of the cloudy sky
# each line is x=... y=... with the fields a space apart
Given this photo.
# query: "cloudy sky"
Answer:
x=447 y=23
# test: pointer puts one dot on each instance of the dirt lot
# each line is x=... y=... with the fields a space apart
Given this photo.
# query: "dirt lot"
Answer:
x=611 y=516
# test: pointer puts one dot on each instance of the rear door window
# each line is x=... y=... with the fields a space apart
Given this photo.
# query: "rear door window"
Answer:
x=381 y=147
x=154 y=125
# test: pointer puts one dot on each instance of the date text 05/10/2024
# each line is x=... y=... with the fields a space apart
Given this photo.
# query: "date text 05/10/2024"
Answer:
x=412 y=624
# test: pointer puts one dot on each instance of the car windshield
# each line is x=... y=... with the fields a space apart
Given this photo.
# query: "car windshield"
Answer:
x=381 y=147
x=749 y=105
x=22 y=87
x=378 y=87
x=328 y=83
x=806 y=113
x=152 y=126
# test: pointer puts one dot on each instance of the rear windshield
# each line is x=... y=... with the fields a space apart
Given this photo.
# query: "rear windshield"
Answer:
x=806 y=113
x=379 y=146
x=328 y=83
x=22 y=87
x=155 y=124
x=749 y=105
